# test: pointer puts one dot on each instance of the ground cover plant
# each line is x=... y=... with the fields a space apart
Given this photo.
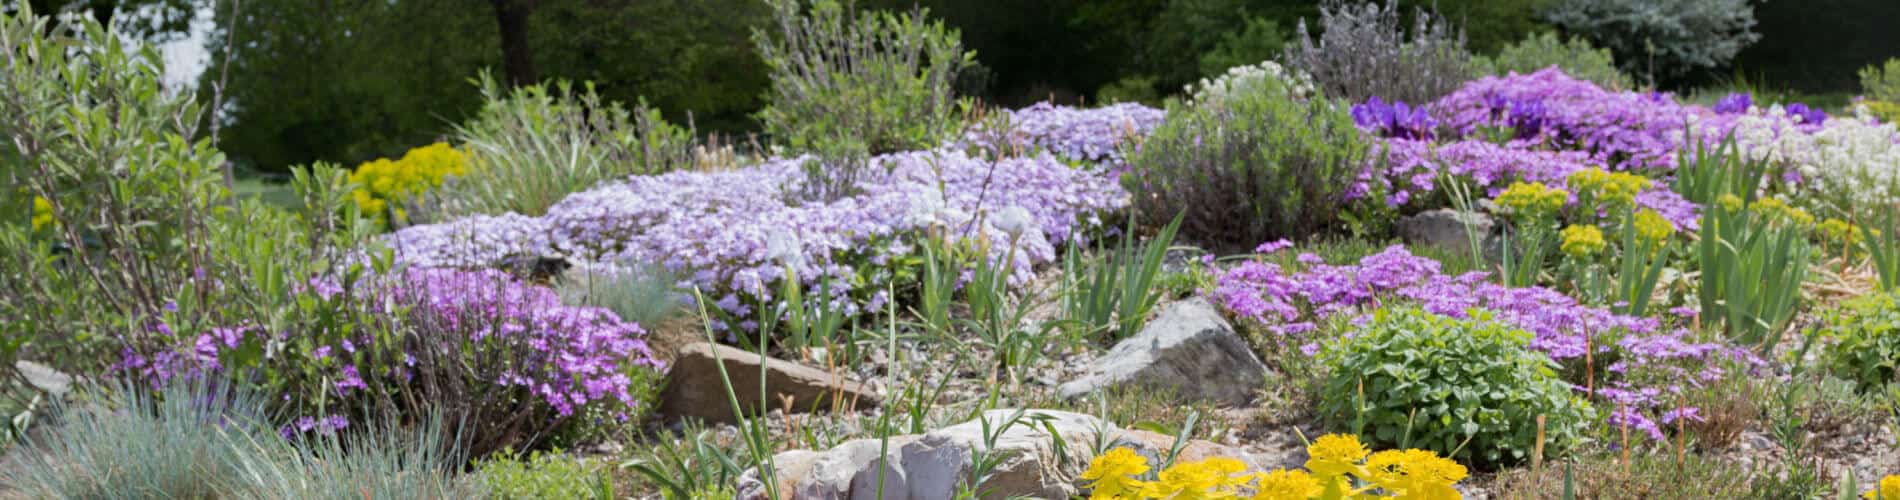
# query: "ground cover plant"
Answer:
x=1504 y=281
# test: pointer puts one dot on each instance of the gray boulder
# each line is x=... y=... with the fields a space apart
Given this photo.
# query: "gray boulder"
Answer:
x=1187 y=349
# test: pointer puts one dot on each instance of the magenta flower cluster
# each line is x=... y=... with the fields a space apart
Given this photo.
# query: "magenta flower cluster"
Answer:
x=564 y=356
x=1290 y=304
x=575 y=356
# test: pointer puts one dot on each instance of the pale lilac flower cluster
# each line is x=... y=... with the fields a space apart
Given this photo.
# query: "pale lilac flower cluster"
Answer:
x=1083 y=134
x=734 y=232
x=470 y=242
x=1291 y=303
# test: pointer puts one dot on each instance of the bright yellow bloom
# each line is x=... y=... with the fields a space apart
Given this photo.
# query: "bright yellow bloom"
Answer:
x=1889 y=489
x=383 y=184
x=1533 y=200
x=1729 y=202
x=42 y=213
x=1652 y=226
x=1334 y=454
x=1214 y=477
x=1618 y=188
x=1415 y=473
x=1282 y=484
x=1112 y=475
x=1582 y=241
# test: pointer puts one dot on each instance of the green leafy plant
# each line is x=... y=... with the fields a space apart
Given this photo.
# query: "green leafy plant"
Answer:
x=513 y=475
x=690 y=465
x=1881 y=82
x=531 y=146
x=1866 y=334
x=1468 y=388
x=1575 y=56
x=848 y=84
x=1259 y=165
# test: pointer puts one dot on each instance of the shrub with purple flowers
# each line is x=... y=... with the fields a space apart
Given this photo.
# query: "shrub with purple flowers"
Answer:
x=503 y=360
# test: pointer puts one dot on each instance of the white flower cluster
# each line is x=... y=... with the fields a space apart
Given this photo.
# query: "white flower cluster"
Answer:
x=1852 y=159
x=1239 y=79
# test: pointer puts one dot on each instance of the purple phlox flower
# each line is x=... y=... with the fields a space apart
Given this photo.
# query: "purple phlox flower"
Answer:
x=1733 y=104
x=1273 y=246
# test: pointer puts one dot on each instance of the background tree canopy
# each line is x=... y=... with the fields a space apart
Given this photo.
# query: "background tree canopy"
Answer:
x=351 y=80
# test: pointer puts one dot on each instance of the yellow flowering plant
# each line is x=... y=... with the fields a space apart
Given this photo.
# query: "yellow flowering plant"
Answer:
x=1533 y=208
x=42 y=213
x=1581 y=242
x=1340 y=467
x=1596 y=187
x=1888 y=489
x=385 y=188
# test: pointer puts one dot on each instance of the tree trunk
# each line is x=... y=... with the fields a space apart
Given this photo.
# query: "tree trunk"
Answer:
x=517 y=60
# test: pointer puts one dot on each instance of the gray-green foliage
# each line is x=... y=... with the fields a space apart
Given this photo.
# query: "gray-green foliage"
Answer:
x=1881 y=82
x=647 y=295
x=1259 y=165
x=1363 y=50
x=848 y=84
x=1666 y=39
x=1469 y=388
x=203 y=439
x=531 y=146
x=1576 y=57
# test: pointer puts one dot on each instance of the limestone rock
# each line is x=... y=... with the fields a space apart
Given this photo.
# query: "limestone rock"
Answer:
x=1188 y=349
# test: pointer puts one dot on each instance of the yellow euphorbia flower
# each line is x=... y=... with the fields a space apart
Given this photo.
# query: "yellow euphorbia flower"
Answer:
x=1112 y=475
x=383 y=185
x=1533 y=200
x=1840 y=233
x=1651 y=225
x=1282 y=484
x=1581 y=241
x=1889 y=489
x=1214 y=477
x=1335 y=454
x=42 y=213
x=1618 y=188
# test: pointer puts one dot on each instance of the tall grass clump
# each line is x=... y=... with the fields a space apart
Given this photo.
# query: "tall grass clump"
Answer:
x=1363 y=50
x=531 y=146
x=848 y=84
x=1258 y=165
